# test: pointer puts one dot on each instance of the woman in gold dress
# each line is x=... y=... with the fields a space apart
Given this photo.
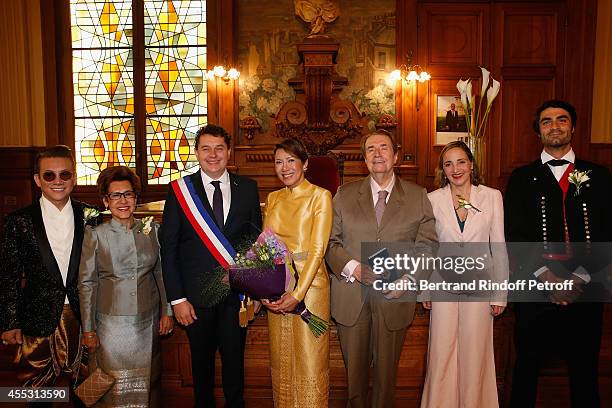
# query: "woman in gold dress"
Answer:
x=301 y=216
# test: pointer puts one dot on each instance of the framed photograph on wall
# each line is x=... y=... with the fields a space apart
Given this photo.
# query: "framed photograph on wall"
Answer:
x=450 y=119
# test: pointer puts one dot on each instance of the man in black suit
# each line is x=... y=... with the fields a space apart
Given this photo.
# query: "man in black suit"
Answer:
x=452 y=119
x=543 y=206
x=39 y=262
x=232 y=201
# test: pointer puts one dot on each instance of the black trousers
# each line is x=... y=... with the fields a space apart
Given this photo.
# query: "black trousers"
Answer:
x=571 y=332
x=218 y=328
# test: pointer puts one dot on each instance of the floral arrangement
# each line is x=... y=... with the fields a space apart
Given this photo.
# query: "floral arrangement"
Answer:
x=265 y=271
x=475 y=119
x=577 y=177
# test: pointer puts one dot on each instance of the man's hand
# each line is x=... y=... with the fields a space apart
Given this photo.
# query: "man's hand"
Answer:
x=166 y=325
x=562 y=297
x=426 y=304
x=12 y=337
x=396 y=293
x=225 y=279
x=91 y=341
x=184 y=313
x=364 y=274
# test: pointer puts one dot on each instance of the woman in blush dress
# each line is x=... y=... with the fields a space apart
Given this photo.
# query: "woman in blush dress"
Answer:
x=460 y=361
x=122 y=295
x=301 y=216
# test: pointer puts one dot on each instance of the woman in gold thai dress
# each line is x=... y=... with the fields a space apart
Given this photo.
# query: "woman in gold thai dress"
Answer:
x=301 y=216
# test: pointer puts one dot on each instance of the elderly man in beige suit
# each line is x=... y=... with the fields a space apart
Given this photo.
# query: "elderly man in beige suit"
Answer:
x=371 y=328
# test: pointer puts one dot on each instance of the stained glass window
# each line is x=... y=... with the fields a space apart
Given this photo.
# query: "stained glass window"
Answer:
x=105 y=74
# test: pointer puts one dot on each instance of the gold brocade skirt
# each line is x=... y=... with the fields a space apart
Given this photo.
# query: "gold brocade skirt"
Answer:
x=41 y=360
x=299 y=360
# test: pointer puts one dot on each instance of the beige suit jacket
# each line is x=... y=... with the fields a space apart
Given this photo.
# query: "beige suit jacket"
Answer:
x=408 y=217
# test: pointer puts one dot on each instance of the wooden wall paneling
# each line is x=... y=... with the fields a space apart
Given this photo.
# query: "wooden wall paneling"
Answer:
x=579 y=60
x=530 y=65
x=406 y=102
x=16 y=178
x=601 y=127
x=454 y=40
x=519 y=101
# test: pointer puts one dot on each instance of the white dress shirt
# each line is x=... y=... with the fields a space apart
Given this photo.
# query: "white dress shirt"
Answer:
x=350 y=266
x=209 y=189
x=59 y=227
x=558 y=172
x=226 y=190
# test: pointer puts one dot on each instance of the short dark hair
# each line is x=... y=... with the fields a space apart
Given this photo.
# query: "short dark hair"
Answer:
x=213 y=130
x=293 y=146
x=382 y=132
x=117 y=173
x=62 y=151
x=441 y=179
x=554 y=103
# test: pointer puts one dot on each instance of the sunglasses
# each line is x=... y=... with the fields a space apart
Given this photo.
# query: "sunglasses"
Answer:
x=50 y=176
x=128 y=195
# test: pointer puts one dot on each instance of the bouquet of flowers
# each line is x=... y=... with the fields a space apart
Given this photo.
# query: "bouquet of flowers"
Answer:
x=266 y=271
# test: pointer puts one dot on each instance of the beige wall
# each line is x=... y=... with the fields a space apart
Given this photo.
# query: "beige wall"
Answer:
x=22 y=109
x=601 y=129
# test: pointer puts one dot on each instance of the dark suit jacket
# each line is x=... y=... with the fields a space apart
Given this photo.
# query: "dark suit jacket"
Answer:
x=452 y=120
x=26 y=252
x=534 y=211
x=184 y=256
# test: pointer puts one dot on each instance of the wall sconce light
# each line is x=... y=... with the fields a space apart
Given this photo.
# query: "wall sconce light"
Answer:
x=219 y=71
x=410 y=74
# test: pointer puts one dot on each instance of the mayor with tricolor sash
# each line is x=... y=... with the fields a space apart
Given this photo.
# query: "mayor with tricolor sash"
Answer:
x=206 y=216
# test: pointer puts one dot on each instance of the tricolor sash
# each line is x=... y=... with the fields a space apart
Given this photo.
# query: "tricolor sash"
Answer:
x=202 y=222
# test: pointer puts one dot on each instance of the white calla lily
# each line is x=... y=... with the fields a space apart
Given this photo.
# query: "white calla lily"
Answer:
x=461 y=85
x=492 y=92
x=468 y=91
x=485 y=81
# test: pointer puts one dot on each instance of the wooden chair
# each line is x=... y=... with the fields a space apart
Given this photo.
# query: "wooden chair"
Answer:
x=326 y=171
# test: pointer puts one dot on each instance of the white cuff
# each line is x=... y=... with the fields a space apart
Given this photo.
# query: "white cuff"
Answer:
x=582 y=274
x=177 y=301
x=349 y=269
x=540 y=271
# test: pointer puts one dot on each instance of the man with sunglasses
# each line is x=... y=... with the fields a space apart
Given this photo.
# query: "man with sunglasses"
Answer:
x=39 y=263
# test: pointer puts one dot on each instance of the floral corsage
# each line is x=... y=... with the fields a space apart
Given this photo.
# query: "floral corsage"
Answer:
x=145 y=225
x=577 y=177
x=463 y=203
x=90 y=214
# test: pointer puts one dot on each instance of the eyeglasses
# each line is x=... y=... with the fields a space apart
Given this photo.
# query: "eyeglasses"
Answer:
x=50 y=176
x=128 y=195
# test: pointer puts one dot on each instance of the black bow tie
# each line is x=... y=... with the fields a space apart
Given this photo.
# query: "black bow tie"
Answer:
x=557 y=162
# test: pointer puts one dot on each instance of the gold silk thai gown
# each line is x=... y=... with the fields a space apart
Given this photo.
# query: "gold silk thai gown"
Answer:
x=302 y=219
